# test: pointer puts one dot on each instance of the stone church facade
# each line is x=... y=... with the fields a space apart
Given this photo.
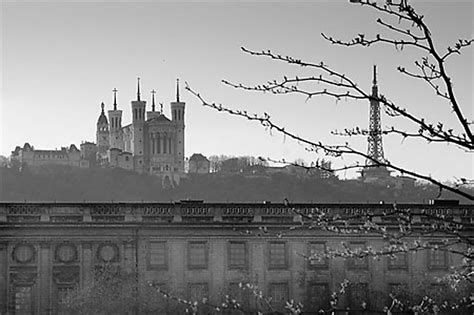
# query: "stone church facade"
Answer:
x=201 y=252
x=152 y=143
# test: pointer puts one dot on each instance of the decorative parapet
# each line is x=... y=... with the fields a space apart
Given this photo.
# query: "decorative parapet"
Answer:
x=216 y=213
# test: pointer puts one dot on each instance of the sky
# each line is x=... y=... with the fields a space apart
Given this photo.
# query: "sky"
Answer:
x=61 y=59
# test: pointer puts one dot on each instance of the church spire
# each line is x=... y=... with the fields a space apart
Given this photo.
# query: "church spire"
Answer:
x=153 y=100
x=177 y=90
x=115 y=98
x=138 y=89
x=102 y=105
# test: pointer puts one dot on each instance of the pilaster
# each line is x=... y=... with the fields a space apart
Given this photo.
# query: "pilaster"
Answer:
x=3 y=277
x=87 y=265
x=44 y=276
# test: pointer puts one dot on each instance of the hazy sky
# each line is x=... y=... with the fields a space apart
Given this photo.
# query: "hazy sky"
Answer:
x=61 y=59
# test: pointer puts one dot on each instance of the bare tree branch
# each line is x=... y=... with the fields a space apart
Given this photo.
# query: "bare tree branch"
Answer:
x=329 y=150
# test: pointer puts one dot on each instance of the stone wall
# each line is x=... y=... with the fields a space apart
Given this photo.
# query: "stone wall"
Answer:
x=49 y=247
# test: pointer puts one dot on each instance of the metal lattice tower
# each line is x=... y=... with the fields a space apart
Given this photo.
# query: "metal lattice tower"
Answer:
x=375 y=146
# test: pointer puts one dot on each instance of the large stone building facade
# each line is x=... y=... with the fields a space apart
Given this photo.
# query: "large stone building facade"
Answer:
x=67 y=156
x=196 y=250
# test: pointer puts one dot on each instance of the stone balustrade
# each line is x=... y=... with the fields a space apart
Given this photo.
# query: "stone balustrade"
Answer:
x=199 y=212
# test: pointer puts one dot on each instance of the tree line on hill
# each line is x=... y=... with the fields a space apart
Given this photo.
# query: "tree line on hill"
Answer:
x=62 y=183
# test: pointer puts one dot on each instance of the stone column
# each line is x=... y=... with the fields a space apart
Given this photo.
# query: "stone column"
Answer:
x=44 y=277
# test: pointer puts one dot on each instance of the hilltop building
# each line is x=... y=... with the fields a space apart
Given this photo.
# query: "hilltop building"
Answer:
x=152 y=143
x=28 y=155
x=199 y=164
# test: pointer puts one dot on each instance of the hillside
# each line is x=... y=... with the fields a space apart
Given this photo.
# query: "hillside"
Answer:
x=54 y=183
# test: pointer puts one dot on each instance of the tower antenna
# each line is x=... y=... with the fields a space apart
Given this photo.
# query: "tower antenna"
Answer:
x=375 y=146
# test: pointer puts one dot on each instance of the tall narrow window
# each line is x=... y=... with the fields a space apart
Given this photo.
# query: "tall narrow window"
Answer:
x=437 y=257
x=279 y=293
x=239 y=294
x=157 y=255
x=197 y=255
x=277 y=255
x=237 y=253
x=152 y=144
x=399 y=291
x=318 y=296
x=23 y=300
x=358 y=296
x=62 y=293
x=165 y=139
x=198 y=291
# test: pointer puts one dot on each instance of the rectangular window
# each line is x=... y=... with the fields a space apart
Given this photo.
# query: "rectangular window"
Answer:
x=437 y=291
x=358 y=262
x=237 y=252
x=240 y=295
x=358 y=296
x=157 y=255
x=398 y=261
x=318 y=297
x=437 y=258
x=277 y=255
x=23 y=303
x=198 y=292
x=62 y=294
x=316 y=250
x=279 y=293
x=197 y=255
x=400 y=292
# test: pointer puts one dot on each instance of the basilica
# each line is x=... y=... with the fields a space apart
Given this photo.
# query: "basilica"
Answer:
x=152 y=143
